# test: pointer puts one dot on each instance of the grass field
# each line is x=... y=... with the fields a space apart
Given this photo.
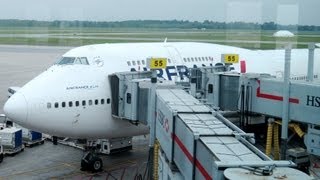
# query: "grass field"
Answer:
x=252 y=39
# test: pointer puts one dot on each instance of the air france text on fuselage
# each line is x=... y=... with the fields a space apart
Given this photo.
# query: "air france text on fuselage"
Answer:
x=181 y=71
x=88 y=87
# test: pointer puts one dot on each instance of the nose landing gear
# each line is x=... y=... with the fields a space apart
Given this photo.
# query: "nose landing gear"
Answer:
x=91 y=162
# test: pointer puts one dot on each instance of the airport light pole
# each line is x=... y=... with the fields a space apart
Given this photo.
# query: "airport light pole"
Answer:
x=310 y=76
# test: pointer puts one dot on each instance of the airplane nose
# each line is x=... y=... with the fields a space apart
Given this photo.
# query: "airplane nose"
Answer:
x=16 y=108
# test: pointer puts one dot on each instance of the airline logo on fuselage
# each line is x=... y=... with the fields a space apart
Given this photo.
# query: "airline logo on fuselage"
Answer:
x=181 y=71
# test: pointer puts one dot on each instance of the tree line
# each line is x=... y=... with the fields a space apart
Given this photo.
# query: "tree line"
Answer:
x=179 y=24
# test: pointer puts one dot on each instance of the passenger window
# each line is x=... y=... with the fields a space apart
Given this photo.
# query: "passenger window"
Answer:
x=207 y=58
x=184 y=59
x=90 y=102
x=63 y=104
x=138 y=63
x=102 y=101
x=48 y=105
x=108 y=101
x=192 y=59
x=77 y=103
x=96 y=102
x=188 y=59
x=56 y=105
x=202 y=58
x=70 y=103
x=129 y=63
x=143 y=62
x=83 y=103
x=133 y=63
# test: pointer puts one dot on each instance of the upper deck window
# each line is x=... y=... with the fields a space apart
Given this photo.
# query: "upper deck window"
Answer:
x=73 y=60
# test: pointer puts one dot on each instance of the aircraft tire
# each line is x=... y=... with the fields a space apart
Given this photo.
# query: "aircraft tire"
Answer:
x=96 y=164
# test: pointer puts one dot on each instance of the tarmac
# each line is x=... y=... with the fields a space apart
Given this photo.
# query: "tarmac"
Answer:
x=50 y=161
x=18 y=65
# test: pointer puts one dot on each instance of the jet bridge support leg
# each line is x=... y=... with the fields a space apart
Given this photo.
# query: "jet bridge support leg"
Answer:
x=152 y=123
x=285 y=105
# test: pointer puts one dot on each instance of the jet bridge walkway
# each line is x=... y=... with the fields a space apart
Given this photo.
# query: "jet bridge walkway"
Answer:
x=196 y=142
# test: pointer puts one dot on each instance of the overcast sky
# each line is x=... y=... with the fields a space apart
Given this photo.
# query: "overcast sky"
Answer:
x=304 y=12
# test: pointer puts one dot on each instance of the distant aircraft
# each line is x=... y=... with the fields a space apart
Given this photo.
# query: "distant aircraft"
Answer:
x=72 y=98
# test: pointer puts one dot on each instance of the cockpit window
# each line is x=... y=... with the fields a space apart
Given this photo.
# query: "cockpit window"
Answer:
x=73 y=60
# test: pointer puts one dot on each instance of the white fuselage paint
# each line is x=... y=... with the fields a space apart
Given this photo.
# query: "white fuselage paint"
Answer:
x=64 y=83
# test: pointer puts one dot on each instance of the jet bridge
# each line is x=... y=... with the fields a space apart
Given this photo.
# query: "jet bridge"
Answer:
x=264 y=96
x=195 y=141
x=203 y=144
x=130 y=95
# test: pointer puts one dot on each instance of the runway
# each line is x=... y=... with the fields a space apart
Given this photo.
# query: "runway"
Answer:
x=19 y=64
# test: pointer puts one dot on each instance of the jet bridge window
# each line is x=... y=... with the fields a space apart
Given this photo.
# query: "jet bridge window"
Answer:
x=210 y=88
x=129 y=98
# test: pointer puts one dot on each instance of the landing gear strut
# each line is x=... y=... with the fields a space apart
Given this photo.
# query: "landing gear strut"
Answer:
x=91 y=162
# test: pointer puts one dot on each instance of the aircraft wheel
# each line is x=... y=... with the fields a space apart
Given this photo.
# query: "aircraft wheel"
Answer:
x=96 y=164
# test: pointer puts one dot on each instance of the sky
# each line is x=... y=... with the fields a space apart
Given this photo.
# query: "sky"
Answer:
x=303 y=12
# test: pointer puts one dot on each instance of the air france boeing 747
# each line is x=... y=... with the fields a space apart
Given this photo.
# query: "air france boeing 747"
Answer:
x=73 y=98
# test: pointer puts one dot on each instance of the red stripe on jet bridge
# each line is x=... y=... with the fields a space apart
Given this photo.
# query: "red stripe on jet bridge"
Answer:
x=204 y=173
x=274 y=97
